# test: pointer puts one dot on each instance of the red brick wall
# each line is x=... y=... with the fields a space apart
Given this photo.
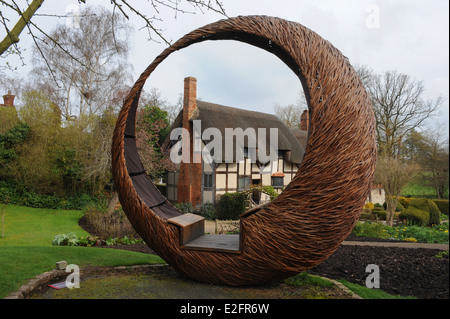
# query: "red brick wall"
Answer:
x=189 y=188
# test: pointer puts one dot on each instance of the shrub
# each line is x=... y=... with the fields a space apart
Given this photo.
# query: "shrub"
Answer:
x=373 y=230
x=380 y=212
x=403 y=200
x=108 y=225
x=429 y=206
x=17 y=194
x=368 y=207
x=415 y=216
x=398 y=208
x=231 y=206
x=69 y=239
x=185 y=207
x=207 y=211
x=365 y=216
x=442 y=204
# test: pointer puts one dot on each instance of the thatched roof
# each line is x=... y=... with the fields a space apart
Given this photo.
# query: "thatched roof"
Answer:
x=221 y=117
x=301 y=135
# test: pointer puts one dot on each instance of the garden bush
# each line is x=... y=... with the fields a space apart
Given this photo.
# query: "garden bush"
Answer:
x=207 y=211
x=415 y=216
x=442 y=204
x=71 y=239
x=380 y=212
x=231 y=206
x=373 y=230
x=16 y=194
x=403 y=200
x=185 y=207
x=108 y=225
x=427 y=205
x=398 y=208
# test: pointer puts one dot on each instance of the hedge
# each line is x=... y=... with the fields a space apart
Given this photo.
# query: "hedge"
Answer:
x=442 y=204
x=398 y=208
x=230 y=206
x=415 y=216
x=15 y=194
x=429 y=206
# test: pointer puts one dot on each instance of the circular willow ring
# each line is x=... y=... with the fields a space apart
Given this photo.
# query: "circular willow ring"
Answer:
x=319 y=208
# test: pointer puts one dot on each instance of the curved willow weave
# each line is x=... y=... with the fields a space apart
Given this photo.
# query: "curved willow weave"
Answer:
x=319 y=208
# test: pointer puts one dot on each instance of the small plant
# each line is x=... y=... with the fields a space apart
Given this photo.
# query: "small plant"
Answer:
x=185 y=207
x=69 y=239
x=442 y=254
x=413 y=233
x=369 y=207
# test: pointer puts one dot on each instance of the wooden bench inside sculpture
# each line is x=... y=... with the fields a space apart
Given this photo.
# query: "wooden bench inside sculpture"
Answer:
x=308 y=221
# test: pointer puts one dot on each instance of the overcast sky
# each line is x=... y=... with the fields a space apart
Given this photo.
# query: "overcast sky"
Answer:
x=410 y=36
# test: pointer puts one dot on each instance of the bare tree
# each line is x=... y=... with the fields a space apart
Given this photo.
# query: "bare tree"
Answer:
x=86 y=85
x=431 y=152
x=291 y=114
x=399 y=107
x=15 y=19
x=394 y=175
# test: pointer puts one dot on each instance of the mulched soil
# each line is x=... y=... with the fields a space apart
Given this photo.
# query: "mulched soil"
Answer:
x=403 y=271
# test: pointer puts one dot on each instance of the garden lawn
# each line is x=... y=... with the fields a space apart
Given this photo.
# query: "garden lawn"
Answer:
x=26 y=249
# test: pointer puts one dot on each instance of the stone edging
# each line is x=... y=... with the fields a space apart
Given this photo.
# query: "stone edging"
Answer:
x=44 y=279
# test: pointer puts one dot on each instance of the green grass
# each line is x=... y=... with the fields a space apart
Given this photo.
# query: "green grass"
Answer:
x=367 y=293
x=26 y=249
x=306 y=279
x=416 y=189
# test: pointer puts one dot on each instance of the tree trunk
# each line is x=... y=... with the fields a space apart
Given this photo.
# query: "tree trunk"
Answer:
x=112 y=203
x=390 y=210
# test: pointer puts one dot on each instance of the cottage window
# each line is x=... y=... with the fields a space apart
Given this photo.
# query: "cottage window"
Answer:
x=243 y=183
x=278 y=181
x=207 y=181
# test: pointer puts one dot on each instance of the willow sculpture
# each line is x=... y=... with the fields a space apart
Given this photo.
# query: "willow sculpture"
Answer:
x=316 y=211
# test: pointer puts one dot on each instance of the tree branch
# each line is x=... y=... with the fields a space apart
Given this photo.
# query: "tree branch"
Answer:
x=12 y=36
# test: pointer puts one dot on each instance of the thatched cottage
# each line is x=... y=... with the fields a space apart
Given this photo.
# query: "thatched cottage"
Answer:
x=201 y=181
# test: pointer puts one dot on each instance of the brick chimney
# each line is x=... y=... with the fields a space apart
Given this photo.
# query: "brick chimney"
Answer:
x=190 y=98
x=189 y=188
x=8 y=99
x=304 y=121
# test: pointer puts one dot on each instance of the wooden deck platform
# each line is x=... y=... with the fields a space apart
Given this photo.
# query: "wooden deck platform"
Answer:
x=225 y=243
